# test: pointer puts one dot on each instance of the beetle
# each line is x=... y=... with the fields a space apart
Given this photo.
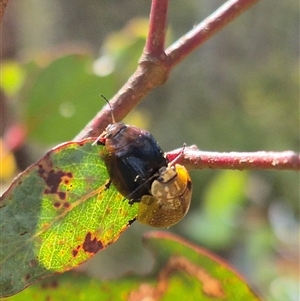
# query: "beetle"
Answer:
x=170 y=198
x=140 y=171
x=132 y=157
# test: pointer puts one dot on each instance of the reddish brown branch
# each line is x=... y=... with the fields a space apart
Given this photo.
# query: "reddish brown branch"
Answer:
x=155 y=66
x=3 y=4
x=146 y=78
x=195 y=159
x=206 y=29
x=153 y=70
x=157 y=28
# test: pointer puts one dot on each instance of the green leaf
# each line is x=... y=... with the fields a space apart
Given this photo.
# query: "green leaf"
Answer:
x=64 y=92
x=76 y=286
x=58 y=213
x=193 y=273
x=183 y=272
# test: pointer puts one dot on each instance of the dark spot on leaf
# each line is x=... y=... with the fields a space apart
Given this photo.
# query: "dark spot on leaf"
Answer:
x=53 y=178
x=27 y=277
x=74 y=253
x=23 y=233
x=62 y=195
x=66 y=204
x=92 y=245
x=33 y=263
x=57 y=204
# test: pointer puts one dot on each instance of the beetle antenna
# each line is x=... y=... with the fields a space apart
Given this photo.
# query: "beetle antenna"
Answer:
x=110 y=108
x=178 y=156
x=111 y=114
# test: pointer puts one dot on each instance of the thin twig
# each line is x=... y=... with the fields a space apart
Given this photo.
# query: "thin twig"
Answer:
x=196 y=159
x=206 y=29
x=157 y=28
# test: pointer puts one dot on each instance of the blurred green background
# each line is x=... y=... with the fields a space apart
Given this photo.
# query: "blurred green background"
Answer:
x=238 y=92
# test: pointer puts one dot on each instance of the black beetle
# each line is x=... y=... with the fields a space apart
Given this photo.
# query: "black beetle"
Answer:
x=133 y=159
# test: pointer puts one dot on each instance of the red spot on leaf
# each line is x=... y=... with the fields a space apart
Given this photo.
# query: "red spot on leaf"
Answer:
x=66 y=204
x=62 y=195
x=92 y=245
x=57 y=204
x=75 y=251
